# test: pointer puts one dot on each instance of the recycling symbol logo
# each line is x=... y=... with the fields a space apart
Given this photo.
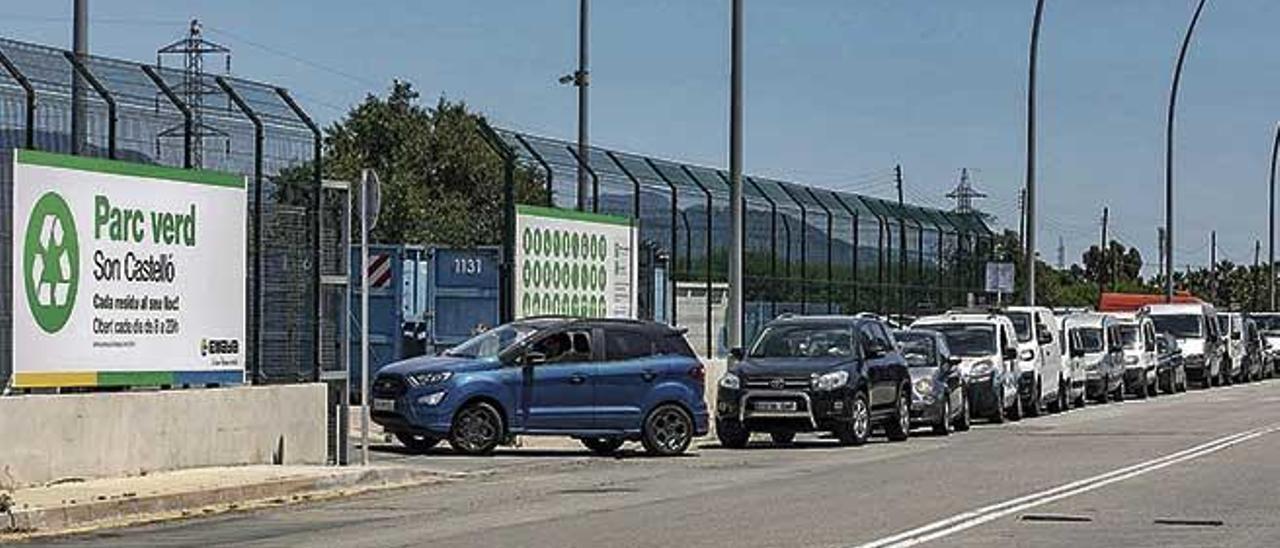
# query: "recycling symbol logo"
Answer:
x=51 y=262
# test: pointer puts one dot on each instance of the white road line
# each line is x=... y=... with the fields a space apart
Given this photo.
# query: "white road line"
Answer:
x=973 y=518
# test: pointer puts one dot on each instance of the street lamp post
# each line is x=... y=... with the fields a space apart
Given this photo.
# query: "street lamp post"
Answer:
x=1168 y=155
x=1030 y=253
x=736 y=221
x=1271 y=224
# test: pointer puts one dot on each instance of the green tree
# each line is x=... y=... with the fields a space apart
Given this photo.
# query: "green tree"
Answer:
x=441 y=182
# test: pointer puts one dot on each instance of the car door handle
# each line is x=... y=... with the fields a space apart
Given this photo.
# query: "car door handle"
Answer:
x=648 y=375
x=577 y=378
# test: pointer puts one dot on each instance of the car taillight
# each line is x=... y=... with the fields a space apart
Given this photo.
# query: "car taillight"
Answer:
x=698 y=373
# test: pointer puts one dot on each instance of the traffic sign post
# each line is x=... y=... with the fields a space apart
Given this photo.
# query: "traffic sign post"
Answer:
x=370 y=201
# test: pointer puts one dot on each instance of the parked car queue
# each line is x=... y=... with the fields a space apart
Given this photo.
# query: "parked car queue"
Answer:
x=606 y=381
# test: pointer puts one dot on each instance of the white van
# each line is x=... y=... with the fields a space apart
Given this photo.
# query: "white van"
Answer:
x=1039 y=358
x=1138 y=339
x=1195 y=326
x=1231 y=325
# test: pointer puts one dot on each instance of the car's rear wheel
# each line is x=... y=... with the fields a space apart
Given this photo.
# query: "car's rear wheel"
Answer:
x=668 y=431
x=942 y=426
x=1015 y=412
x=477 y=429
x=602 y=446
x=417 y=443
x=1121 y=390
x=857 y=428
x=899 y=427
x=732 y=434
x=782 y=437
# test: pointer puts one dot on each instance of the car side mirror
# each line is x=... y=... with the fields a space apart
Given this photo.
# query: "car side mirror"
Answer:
x=875 y=351
x=953 y=361
x=1044 y=338
x=532 y=358
x=1010 y=353
x=737 y=354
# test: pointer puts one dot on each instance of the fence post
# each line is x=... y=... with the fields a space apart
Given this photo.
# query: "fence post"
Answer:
x=595 y=179
x=102 y=92
x=30 y=92
x=259 y=135
x=831 y=231
x=773 y=241
x=506 y=300
x=635 y=184
x=317 y=154
x=178 y=104
x=804 y=249
x=551 y=201
x=675 y=242
x=853 y=215
x=707 y=267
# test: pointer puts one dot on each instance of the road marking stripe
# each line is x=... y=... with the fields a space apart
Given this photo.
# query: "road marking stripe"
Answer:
x=973 y=518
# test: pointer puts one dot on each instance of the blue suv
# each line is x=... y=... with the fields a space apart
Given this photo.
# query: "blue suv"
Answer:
x=603 y=382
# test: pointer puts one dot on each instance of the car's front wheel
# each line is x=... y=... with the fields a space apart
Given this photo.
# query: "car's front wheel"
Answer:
x=942 y=426
x=899 y=427
x=732 y=434
x=857 y=428
x=964 y=421
x=477 y=429
x=417 y=443
x=668 y=431
x=602 y=446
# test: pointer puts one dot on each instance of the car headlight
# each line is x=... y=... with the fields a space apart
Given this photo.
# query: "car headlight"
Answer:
x=427 y=379
x=1131 y=360
x=730 y=381
x=432 y=399
x=831 y=381
x=1027 y=355
x=924 y=387
x=982 y=369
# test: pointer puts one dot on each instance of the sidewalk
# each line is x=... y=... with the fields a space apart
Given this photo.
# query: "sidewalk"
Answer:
x=84 y=505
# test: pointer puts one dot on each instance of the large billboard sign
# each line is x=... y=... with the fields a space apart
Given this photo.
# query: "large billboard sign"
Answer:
x=126 y=274
x=575 y=264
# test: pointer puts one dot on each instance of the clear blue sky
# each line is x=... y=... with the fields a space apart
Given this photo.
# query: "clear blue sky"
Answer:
x=837 y=91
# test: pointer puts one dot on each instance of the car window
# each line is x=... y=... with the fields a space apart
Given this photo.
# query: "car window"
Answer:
x=1129 y=337
x=1088 y=339
x=626 y=344
x=674 y=344
x=918 y=349
x=565 y=347
x=804 y=341
x=1021 y=324
x=1182 y=326
x=970 y=340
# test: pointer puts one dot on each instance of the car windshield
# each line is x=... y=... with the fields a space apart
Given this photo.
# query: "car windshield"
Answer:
x=1182 y=326
x=1021 y=325
x=1269 y=324
x=1129 y=336
x=918 y=349
x=492 y=342
x=1088 y=339
x=969 y=340
x=804 y=341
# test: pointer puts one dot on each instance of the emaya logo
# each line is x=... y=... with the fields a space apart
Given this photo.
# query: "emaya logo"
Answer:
x=51 y=262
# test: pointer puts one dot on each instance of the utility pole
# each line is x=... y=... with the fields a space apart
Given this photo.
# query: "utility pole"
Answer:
x=1062 y=254
x=582 y=81
x=1031 y=155
x=1168 y=152
x=1102 y=261
x=1022 y=218
x=80 y=47
x=1253 y=275
x=737 y=222
x=1160 y=239
x=902 y=243
x=1213 y=264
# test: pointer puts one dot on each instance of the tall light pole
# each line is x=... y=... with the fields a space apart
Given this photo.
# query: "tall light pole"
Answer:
x=581 y=79
x=1168 y=155
x=79 y=47
x=1030 y=253
x=736 y=206
x=1271 y=224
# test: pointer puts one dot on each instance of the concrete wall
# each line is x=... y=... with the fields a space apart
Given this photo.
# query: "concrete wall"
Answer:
x=715 y=370
x=49 y=437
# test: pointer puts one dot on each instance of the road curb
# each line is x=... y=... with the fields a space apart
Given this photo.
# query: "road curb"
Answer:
x=128 y=509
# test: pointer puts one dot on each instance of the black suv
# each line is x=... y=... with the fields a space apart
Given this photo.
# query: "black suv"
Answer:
x=838 y=374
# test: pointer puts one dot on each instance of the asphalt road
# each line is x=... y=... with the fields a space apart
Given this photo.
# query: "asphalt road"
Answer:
x=1197 y=469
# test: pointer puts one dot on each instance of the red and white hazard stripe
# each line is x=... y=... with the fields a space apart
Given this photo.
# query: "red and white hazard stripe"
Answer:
x=379 y=271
